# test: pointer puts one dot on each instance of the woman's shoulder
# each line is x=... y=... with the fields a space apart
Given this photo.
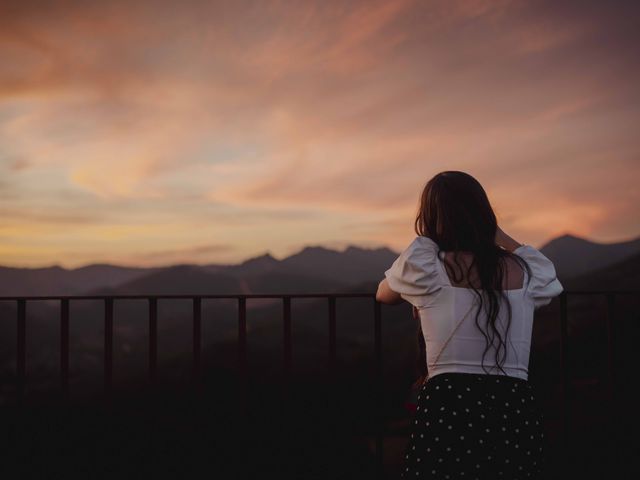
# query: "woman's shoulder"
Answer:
x=425 y=243
x=543 y=284
x=414 y=273
x=420 y=253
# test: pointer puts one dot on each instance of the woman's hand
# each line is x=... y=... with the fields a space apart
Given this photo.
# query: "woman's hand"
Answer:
x=505 y=241
x=500 y=236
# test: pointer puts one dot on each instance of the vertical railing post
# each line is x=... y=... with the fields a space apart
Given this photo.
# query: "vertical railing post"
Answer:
x=332 y=338
x=611 y=383
x=108 y=346
x=21 y=360
x=379 y=387
x=564 y=367
x=153 y=339
x=242 y=352
x=286 y=331
x=286 y=364
x=611 y=346
x=64 y=348
x=331 y=391
x=197 y=339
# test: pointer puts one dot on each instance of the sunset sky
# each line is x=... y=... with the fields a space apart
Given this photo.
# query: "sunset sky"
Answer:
x=151 y=133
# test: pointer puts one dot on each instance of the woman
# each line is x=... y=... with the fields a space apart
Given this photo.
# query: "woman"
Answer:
x=475 y=289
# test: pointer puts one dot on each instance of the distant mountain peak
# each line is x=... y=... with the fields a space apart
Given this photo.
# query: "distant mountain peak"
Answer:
x=571 y=241
x=265 y=259
x=316 y=248
x=312 y=252
x=567 y=240
x=569 y=236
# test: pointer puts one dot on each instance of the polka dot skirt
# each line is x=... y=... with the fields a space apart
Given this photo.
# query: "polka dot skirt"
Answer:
x=472 y=426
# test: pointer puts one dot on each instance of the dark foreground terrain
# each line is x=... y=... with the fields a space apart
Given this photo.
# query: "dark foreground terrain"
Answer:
x=309 y=431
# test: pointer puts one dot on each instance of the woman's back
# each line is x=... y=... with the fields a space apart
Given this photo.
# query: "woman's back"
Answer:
x=454 y=343
x=457 y=272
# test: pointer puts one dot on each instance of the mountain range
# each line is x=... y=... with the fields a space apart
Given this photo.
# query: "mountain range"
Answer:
x=313 y=269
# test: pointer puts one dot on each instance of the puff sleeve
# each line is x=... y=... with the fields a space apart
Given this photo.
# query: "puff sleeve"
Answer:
x=414 y=274
x=543 y=284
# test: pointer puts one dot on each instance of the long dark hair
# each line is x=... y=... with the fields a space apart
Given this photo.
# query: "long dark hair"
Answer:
x=455 y=213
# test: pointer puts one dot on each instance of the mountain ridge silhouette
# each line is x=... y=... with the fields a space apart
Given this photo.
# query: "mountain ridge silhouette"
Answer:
x=314 y=266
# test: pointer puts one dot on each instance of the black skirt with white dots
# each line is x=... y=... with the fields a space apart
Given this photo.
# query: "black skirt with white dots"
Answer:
x=474 y=426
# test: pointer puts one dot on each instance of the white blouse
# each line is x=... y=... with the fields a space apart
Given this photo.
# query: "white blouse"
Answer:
x=419 y=276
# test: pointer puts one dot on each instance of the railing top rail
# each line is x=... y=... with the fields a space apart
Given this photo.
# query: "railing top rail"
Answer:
x=260 y=295
x=187 y=296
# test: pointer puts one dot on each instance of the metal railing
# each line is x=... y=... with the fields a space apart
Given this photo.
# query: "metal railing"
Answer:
x=610 y=297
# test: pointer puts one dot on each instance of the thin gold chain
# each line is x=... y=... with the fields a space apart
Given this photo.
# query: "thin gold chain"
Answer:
x=448 y=340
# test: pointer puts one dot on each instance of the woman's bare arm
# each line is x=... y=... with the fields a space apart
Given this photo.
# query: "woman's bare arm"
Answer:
x=386 y=295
